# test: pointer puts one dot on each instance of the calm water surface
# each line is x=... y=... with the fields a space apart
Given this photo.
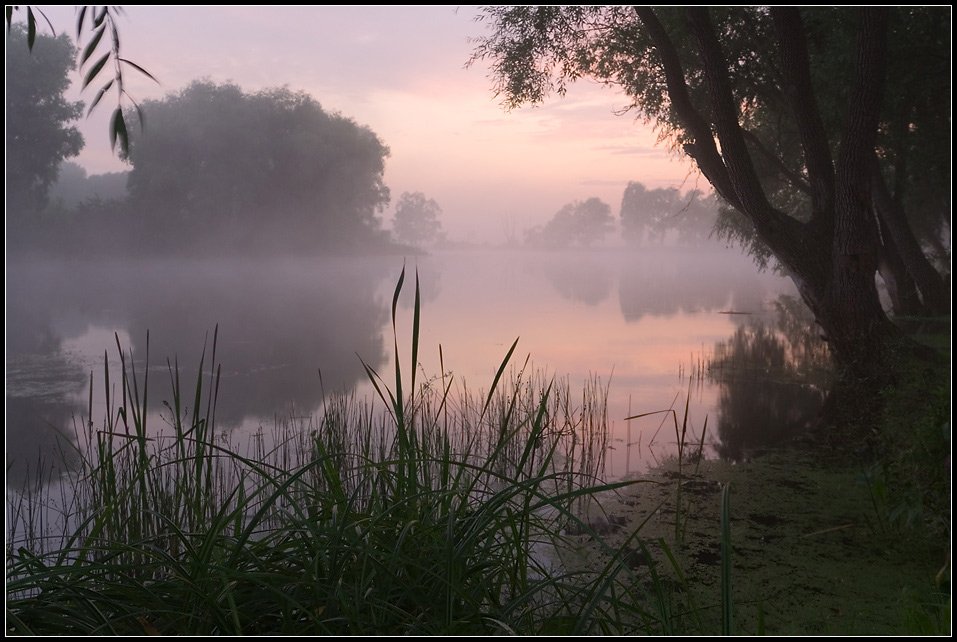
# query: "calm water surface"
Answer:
x=646 y=323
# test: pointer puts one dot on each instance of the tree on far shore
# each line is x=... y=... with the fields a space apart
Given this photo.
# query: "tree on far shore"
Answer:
x=580 y=223
x=39 y=129
x=416 y=220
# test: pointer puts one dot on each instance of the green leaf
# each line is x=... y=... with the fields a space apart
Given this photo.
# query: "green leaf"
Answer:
x=139 y=69
x=118 y=131
x=47 y=20
x=91 y=46
x=116 y=38
x=79 y=21
x=498 y=375
x=95 y=69
x=415 y=330
x=98 y=19
x=142 y=118
x=31 y=29
x=99 y=95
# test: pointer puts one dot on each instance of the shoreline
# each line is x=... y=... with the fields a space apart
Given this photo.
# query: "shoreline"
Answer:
x=809 y=556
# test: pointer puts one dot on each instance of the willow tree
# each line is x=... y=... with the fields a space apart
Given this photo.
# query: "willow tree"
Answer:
x=782 y=110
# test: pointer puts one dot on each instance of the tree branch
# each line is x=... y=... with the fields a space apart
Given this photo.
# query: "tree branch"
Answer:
x=864 y=102
x=785 y=236
x=703 y=150
x=800 y=93
x=794 y=178
x=734 y=150
x=928 y=280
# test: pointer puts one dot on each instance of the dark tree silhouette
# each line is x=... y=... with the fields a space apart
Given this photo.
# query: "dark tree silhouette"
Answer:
x=39 y=133
x=255 y=172
x=780 y=109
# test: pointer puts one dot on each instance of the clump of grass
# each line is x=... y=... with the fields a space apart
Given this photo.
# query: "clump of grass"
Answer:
x=913 y=470
x=441 y=515
x=681 y=440
x=909 y=481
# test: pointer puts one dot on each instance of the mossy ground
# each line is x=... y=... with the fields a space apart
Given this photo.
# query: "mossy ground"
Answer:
x=809 y=556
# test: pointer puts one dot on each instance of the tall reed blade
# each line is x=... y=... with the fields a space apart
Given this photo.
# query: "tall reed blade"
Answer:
x=399 y=399
x=415 y=337
x=727 y=605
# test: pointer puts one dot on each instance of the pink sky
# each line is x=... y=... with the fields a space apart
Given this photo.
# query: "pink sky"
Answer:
x=401 y=72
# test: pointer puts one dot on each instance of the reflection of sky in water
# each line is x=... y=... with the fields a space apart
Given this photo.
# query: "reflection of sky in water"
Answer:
x=634 y=319
x=637 y=328
x=45 y=376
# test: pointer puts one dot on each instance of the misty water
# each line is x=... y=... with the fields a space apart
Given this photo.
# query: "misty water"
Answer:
x=653 y=325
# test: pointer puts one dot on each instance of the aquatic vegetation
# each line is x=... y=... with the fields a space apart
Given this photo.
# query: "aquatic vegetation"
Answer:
x=445 y=513
x=429 y=509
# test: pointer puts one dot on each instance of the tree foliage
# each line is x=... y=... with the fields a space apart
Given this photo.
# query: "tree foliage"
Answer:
x=73 y=186
x=98 y=55
x=786 y=112
x=270 y=169
x=581 y=223
x=654 y=215
x=416 y=219
x=39 y=130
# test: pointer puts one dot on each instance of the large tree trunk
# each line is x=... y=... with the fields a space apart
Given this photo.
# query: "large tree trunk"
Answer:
x=933 y=291
x=833 y=258
x=860 y=329
x=836 y=260
x=905 y=300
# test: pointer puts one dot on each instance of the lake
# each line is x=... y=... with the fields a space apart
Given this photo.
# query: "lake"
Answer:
x=655 y=327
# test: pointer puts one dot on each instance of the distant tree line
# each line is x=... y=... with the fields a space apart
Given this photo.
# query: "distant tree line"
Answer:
x=580 y=223
x=74 y=187
x=647 y=216
x=665 y=214
x=214 y=170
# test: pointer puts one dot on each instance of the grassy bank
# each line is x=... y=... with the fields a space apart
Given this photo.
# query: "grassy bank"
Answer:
x=845 y=531
x=806 y=557
x=433 y=510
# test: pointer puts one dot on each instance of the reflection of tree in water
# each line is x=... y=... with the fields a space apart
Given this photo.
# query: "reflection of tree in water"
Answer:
x=280 y=322
x=40 y=383
x=579 y=277
x=37 y=438
x=773 y=379
x=663 y=282
x=278 y=327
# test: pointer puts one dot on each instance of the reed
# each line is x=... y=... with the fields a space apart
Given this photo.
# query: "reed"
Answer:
x=682 y=442
x=431 y=510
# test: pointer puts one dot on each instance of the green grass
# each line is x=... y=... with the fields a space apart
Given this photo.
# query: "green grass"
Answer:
x=431 y=510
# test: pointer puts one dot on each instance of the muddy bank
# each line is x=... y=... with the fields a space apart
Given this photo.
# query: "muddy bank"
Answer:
x=809 y=555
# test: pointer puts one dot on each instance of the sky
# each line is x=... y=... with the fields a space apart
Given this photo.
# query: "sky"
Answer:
x=401 y=71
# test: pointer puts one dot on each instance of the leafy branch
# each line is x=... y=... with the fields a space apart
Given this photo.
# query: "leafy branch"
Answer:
x=97 y=54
